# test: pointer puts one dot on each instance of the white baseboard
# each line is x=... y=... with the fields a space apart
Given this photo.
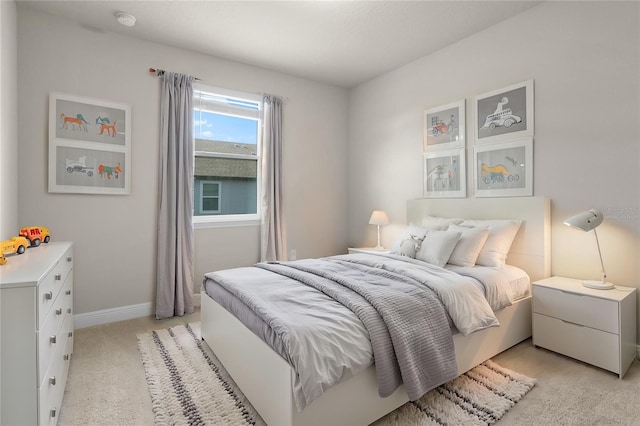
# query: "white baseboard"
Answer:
x=107 y=316
x=121 y=313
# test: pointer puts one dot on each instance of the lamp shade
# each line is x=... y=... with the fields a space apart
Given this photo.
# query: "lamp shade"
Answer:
x=378 y=217
x=586 y=220
x=589 y=221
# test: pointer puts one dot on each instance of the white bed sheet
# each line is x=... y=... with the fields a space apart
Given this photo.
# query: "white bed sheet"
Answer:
x=503 y=285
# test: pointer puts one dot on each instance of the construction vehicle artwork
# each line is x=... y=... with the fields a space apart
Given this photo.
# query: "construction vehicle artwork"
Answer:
x=497 y=174
x=439 y=127
x=79 y=166
x=501 y=116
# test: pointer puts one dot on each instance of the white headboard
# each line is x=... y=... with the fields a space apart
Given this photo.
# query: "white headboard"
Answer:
x=531 y=248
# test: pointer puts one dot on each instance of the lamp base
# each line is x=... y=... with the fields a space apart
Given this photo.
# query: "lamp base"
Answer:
x=599 y=285
x=379 y=248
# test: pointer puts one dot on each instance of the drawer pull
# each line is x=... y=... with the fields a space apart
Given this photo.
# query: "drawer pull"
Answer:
x=572 y=294
x=572 y=323
x=68 y=292
x=52 y=413
x=59 y=311
x=49 y=295
x=52 y=380
x=58 y=277
x=69 y=310
x=69 y=259
x=66 y=357
x=53 y=339
x=70 y=334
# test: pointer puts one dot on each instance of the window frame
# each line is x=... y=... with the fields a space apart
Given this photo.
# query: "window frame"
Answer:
x=249 y=219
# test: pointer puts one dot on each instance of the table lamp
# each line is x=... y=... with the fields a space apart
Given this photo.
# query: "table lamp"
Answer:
x=378 y=217
x=588 y=221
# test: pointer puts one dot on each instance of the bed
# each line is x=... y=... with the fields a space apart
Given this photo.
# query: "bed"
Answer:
x=267 y=380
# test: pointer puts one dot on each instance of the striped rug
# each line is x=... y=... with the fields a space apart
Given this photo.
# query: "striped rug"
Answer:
x=189 y=386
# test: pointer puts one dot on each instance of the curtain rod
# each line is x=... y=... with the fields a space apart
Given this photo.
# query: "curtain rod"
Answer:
x=161 y=72
x=158 y=71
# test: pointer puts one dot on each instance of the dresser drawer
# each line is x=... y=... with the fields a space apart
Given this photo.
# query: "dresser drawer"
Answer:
x=587 y=344
x=47 y=292
x=50 y=395
x=66 y=262
x=51 y=389
x=580 y=309
x=52 y=335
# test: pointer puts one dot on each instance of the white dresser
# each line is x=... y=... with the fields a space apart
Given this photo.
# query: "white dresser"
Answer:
x=36 y=326
x=594 y=326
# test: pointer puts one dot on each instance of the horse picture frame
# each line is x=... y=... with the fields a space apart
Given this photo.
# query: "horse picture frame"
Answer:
x=504 y=169
x=89 y=145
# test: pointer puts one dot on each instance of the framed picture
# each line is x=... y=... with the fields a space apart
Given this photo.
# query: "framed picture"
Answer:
x=504 y=169
x=504 y=114
x=89 y=145
x=444 y=174
x=444 y=127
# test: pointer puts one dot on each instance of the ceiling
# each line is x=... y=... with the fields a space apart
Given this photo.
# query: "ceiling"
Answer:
x=343 y=43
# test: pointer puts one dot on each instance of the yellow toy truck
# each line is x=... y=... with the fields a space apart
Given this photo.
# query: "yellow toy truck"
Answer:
x=14 y=245
x=36 y=235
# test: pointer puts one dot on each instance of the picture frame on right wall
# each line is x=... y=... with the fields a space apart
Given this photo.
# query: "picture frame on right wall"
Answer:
x=444 y=174
x=504 y=114
x=444 y=127
x=504 y=169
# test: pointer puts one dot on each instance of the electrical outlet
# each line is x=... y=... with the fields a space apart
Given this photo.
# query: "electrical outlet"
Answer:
x=292 y=254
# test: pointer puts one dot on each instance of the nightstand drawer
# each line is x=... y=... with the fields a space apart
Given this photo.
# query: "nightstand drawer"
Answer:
x=593 y=346
x=576 y=308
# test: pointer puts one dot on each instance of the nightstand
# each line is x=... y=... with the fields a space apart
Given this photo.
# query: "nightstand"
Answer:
x=594 y=326
x=370 y=250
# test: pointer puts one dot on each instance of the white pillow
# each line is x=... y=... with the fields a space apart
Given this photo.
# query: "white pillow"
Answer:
x=437 y=247
x=468 y=248
x=408 y=232
x=443 y=222
x=501 y=236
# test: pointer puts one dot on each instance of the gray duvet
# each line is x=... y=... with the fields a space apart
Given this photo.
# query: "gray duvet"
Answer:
x=357 y=307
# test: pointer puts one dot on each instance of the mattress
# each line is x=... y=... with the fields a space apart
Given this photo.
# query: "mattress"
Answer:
x=518 y=287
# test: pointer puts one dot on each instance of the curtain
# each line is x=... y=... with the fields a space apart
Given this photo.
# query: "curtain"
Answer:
x=273 y=233
x=174 y=265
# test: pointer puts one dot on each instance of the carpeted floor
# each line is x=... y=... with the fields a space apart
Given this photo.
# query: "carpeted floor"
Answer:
x=107 y=384
x=188 y=385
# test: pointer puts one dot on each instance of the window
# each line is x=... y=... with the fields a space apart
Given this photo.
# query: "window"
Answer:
x=210 y=199
x=227 y=156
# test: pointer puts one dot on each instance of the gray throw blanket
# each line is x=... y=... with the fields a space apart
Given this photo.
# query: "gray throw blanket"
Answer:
x=408 y=326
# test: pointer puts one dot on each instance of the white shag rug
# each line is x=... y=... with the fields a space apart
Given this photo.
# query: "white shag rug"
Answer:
x=189 y=386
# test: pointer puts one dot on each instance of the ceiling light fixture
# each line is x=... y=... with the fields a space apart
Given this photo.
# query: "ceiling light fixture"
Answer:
x=126 y=19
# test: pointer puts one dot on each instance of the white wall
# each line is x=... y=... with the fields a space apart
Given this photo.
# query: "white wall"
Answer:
x=115 y=235
x=584 y=58
x=8 y=120
x=8 y=124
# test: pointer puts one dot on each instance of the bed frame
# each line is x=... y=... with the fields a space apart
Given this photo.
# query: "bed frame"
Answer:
x=267 y=380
